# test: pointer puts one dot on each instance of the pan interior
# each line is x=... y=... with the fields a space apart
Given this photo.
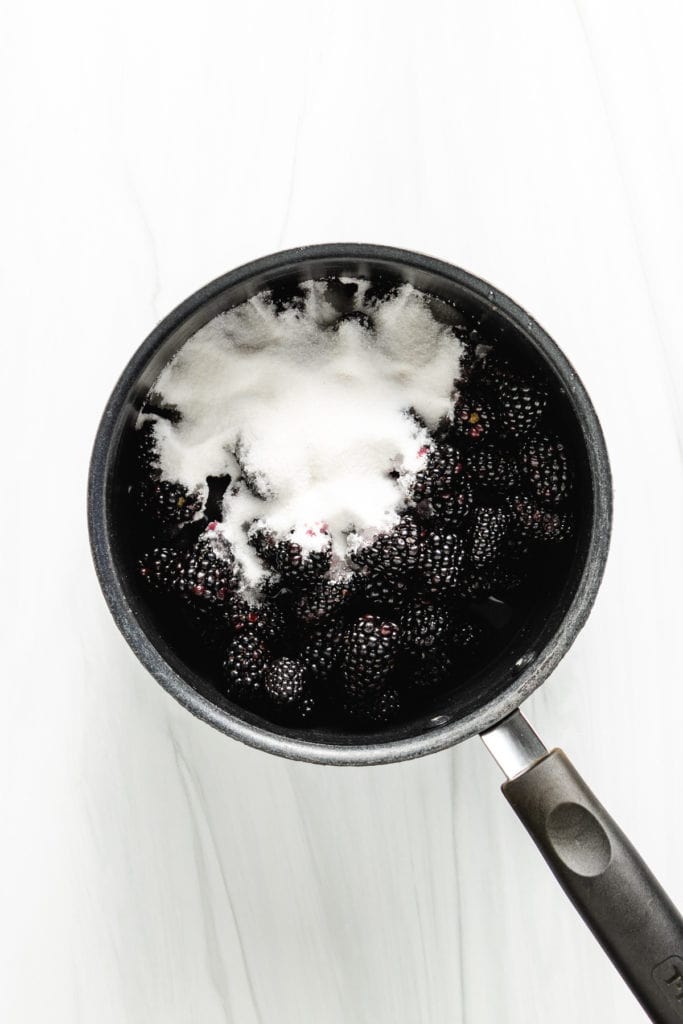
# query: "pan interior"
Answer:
x=497 y=324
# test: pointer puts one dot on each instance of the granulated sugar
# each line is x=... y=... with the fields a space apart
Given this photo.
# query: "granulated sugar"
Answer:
x=309 y=414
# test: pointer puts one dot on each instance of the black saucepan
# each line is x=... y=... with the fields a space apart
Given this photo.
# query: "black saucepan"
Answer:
x=600 y=871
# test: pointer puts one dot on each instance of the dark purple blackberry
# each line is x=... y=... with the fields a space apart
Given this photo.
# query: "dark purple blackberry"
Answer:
x=521 y=401
x=167 y=503
x=284 y=682
x=494 y=468
x=164 y=502
x=424 y=626
x=208 y=578
x=378 y=707
x=161 y=568
x=474 y=417
x=295 y=567
x=441 y=558
x=454 y=506
x=544 y=463
x=534 y=522
x=323 y=598
x=244 y=666
x=266 y=620
x=442 y=474
x=488 y=527
x=320 y=651
x=368 y=654
x=383 y=592
x=392 y=554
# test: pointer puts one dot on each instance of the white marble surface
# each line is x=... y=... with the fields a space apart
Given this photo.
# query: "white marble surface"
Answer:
x=152 y=870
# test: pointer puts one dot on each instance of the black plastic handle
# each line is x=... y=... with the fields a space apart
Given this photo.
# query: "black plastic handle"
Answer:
x=609 y=884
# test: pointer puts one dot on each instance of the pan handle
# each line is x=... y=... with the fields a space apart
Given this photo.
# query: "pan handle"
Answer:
x=612 y=888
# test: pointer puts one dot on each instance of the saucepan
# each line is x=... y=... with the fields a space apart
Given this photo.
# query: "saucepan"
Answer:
x=603 y=875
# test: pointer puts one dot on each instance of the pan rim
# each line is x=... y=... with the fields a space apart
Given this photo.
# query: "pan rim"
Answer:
x=363 y=753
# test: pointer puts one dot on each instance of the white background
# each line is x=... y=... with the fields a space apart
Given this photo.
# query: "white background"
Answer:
x=151 y=869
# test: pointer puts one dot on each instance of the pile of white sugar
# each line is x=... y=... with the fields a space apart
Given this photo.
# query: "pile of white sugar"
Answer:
x=310 y=415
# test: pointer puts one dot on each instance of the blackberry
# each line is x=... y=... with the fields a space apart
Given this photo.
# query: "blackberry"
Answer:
x=161 y=568
x=208 y=579
x=368 y=654
x=284 y=682
x=493 y=467
x=383 y=592
x=378 y=707
x=320 y=652
x=167 y=503
x=444 y=465
x=244 y=666
x=488 y=529
x=473 y=417
x=266 y=620
x=441 y=558
x=322 y=598
x=455 y=505
x=537 y=523
x=393 y=554
x=521 y=401
x=295 y=567
x=545 y=466
x=423 y=627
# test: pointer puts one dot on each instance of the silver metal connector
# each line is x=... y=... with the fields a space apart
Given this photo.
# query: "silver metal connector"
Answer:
x=514 y=745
